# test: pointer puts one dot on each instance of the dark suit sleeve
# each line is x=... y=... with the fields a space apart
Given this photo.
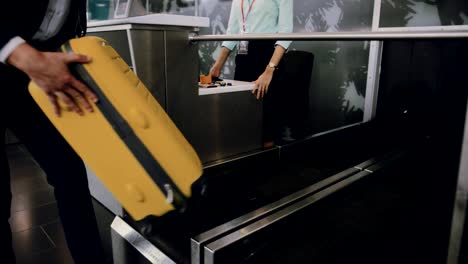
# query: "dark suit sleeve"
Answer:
x=20 y=18
x=8 y=23
x=23 y=18
x=6 y=36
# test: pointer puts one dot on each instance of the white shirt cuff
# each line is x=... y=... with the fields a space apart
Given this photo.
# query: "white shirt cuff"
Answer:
x=284 y=44
x=9 y=48
x=229 y=44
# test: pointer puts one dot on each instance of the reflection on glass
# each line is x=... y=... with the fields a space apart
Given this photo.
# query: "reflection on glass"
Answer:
x=414 y=13
x=339 y=78
x=338 y=83
x=99 y=9
x=218 y=12
x=170 y=6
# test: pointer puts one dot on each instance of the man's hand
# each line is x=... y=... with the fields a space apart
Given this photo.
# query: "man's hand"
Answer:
x=49 y=70
x=263 y=83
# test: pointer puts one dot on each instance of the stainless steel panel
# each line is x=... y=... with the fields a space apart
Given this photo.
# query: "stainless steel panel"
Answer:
x=118 y=248
x=101 y=193
x=461 y=202
x=149 y=56
x=134 y=66
x=269 y=155
x=220 y=230
x=218 y=126
x=148 y=250
x=370 y=162
x=314 y=136
x=373 y=69
x=325 y=36
x=212 y=249
x=373 y=79
x=162 y=27
x=384 y=163
x=228 y=124
x=198 y=243
x=182 y=83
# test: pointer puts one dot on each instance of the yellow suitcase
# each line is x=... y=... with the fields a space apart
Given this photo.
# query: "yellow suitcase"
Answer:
x=129 y=141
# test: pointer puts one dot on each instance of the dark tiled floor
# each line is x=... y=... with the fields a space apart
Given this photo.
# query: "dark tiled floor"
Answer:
x=37 y=232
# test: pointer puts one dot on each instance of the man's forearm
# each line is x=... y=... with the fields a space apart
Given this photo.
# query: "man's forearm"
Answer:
x=22 y=57
x=8 y=47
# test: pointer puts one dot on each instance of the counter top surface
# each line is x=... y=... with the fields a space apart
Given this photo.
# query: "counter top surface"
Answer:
x=237 y=86
x=155 y=19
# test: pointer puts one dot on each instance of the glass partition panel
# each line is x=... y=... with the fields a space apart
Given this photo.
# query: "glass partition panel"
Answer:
x=337 y=85
x=417 y=13
x=218 y=11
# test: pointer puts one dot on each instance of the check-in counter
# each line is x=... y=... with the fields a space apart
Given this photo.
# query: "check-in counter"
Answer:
x=221 y=123
x=229 y=122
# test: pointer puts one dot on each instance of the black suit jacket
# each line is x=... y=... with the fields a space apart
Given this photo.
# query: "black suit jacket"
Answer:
x=23 y=18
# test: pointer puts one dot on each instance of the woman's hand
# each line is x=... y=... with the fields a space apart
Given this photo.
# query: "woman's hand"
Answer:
x=263 y=83
x=215 y=71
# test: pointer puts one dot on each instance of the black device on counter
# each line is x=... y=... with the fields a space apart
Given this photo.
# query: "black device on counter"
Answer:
x=216 y=82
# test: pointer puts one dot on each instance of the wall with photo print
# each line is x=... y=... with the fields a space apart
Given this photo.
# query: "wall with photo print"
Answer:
x=416 y=13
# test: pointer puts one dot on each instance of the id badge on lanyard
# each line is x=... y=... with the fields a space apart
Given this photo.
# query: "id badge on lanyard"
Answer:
x=244 y=44
x=243 y=47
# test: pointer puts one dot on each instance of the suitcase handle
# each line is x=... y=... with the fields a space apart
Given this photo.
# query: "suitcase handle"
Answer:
x=170 y=194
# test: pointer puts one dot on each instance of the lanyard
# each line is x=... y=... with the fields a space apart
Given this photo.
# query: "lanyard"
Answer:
x=244 y=17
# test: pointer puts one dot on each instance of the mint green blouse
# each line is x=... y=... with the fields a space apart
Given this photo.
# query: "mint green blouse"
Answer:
x=266 y=16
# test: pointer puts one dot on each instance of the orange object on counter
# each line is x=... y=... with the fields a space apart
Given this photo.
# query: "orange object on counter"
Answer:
x=205 y=79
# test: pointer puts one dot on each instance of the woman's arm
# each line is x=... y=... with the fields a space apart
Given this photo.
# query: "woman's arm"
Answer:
x=222 y=57
x=285 y=20
x=285 y=25
x=227 y=46
x=264 y=80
